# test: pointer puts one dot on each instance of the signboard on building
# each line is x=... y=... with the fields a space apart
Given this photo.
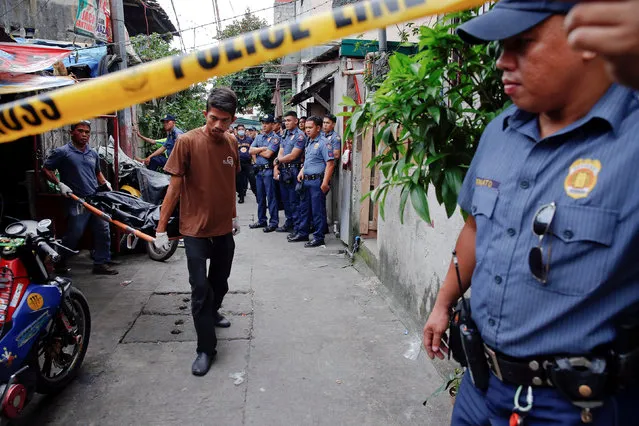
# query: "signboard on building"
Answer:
x=94 y=20
x=22 y=58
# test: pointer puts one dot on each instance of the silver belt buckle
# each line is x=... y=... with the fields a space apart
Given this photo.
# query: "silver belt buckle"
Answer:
x=493 y=362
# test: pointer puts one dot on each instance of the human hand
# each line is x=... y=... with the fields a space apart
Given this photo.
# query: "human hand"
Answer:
x=108 y=185
x=435 y=327
x=65 y=190
x=300 y=176
x=147 y=161
x=609 y=28
x=325 y=188
x=236 y=226
x=161 y=241
x=276 y=175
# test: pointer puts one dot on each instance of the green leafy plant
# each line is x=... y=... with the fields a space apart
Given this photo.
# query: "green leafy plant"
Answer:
x=450 y=385
x=252 y=89
x=187 y=105
x=428 y=114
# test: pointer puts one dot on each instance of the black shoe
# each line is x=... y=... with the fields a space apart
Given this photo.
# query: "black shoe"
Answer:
x=314 y=243
x=284 y=229
x=291 y=235
x=104 y=270
x=298 y=238
x=241 y=200
x=257 y=225
x=202 y=364
x=221 y=321
x=269 y=229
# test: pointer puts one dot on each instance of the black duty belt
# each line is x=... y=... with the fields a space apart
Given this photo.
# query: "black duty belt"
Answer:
x=289 y=165
x=529 y=372
x=261 y=167
x=314 y=177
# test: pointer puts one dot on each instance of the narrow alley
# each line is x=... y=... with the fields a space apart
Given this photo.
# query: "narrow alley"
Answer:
x=312 y=342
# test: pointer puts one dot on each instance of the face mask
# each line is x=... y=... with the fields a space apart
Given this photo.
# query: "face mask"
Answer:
x=241 y=133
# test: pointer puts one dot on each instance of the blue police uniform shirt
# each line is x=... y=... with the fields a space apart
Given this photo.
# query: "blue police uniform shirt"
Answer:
x=77 y=169
x=590 y=170
x=243 y=146
x=272 y=141
x=294 y=139
x=318 y=152
x=171 y=138
x=334 y=139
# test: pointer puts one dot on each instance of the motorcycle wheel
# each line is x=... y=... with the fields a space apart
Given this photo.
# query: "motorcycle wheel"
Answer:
x=60 y=353
x=161 y=255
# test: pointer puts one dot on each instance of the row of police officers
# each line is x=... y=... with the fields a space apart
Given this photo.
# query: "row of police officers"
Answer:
x=303 y=164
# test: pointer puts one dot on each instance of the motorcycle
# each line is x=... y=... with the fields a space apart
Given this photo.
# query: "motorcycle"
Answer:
x=45 y=323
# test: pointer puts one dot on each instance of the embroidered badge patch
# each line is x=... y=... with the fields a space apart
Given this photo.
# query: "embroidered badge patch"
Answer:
x=582 y=178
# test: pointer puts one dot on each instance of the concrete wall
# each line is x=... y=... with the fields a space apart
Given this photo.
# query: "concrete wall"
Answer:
x=414 y=257
x=51 y=19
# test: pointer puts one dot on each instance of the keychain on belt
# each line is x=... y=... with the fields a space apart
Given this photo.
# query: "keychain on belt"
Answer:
x=518 y=416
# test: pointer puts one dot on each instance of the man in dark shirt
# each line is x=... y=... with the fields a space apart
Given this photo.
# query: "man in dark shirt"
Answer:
x=245 y=175
x=79 y=168
x=204 y=167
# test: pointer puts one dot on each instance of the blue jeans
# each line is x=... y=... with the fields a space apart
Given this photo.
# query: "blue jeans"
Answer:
x=78 y=219
x=291 y=201
x=313 y=208
x=266 y=196
x=472 y=407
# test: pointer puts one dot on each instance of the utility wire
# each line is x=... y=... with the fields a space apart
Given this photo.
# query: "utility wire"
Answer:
x=177 y=20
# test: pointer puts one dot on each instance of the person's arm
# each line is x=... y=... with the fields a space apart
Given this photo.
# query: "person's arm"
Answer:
x=439 y=317
x=170 y=201
x=144 y=138
x=328 y=173
x=157 y=152
x=609 y=28
x=50 y=175
x=101 y=179
x=294 y=155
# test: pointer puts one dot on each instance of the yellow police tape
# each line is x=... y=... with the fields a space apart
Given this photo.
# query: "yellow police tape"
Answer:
x=139 y=84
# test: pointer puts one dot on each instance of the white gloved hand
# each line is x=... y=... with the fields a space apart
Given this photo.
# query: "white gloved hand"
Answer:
x=236 y=226
x=64 y=190
x=161 y=241
x=108 y=185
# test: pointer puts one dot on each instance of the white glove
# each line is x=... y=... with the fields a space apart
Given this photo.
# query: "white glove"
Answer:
x=108 y=185
x=161 y=241
x=236 y=226
x=64 y=190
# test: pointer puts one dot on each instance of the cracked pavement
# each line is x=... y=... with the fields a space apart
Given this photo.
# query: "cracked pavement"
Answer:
x=312 y=342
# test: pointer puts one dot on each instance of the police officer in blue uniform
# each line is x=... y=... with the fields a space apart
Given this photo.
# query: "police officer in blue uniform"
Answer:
x=551 y=241
x=328 y=131
x=316 y=176
x=266 y=147
x=159 y=157
x=287 y=167
x=246 y=175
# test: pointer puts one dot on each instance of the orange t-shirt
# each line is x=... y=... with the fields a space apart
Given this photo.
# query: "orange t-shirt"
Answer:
x=208 y=163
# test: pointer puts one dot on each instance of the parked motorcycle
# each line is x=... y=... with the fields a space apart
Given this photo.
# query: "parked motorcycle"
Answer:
x=45 y=322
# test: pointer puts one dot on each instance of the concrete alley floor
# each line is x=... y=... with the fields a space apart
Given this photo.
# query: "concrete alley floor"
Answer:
x=312 y=342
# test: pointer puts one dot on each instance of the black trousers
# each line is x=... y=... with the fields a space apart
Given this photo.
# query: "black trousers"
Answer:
x=244 y=177
x=208 y=287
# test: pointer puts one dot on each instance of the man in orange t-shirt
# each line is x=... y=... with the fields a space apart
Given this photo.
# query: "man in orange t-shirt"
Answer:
x=203 y=165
